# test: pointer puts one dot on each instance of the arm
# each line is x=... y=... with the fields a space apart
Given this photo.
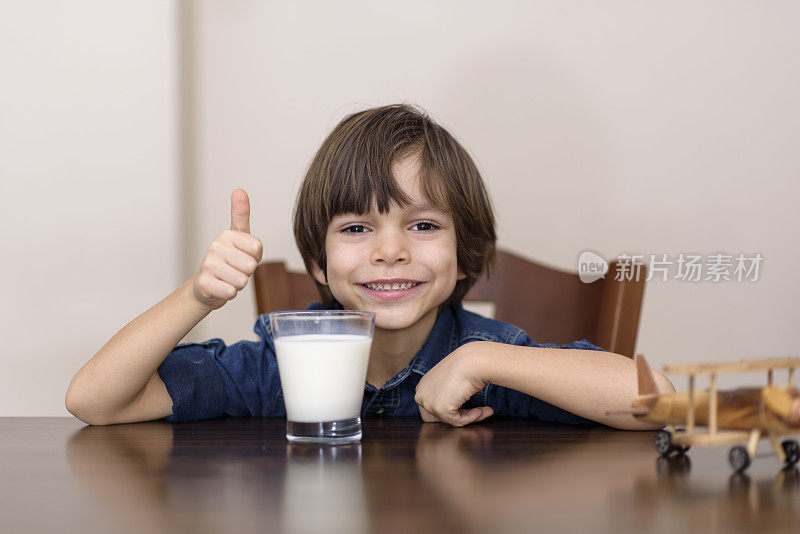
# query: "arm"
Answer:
x=120 y=384
x=584 y=382
x=116 y=379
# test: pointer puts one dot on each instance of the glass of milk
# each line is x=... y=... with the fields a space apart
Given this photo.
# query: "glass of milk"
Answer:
x=322 y=362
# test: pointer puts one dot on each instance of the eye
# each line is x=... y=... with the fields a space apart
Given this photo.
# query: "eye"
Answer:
x=425 y=226
x=354 y=229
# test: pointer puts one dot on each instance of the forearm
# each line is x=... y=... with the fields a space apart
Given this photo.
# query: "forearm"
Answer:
x=585 y=382
x=118 y=373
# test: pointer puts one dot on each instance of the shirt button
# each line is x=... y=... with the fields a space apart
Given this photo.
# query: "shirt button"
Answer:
x=381 y=411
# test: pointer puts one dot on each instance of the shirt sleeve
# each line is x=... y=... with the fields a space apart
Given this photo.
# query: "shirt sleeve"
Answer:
x=509 y=402
x=208 y=380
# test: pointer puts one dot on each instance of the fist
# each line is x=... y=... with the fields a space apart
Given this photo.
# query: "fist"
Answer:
x=230 y=260
x=449 y=384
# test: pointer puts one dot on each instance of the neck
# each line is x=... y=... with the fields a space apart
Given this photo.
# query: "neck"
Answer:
x=392 y=350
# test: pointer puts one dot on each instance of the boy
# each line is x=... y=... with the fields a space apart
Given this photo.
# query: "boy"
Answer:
x=392 y=217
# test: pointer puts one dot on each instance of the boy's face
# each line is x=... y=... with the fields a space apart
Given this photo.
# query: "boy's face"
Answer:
x=401 y=265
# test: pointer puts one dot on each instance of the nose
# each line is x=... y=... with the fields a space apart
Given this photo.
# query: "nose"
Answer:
x=390 y=247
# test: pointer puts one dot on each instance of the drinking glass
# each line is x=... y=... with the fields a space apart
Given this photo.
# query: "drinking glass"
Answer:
x=322 y=362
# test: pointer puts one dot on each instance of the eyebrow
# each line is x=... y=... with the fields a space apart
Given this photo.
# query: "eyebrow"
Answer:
x=427 y=207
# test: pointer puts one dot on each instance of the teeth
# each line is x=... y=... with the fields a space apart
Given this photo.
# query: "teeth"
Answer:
x=392 y=287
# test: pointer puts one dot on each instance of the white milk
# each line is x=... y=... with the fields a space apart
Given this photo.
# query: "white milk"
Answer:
x=322 y=375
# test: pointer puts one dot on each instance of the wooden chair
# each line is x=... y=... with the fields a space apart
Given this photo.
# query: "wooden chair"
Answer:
x=554 y=306
x=549 y=304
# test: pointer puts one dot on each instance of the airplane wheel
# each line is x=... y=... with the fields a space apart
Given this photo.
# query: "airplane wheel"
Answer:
x=663 y=442
x=664 y=445
x=739 y=458
x=792 y=450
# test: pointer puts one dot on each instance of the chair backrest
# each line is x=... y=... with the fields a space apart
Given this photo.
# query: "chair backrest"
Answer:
x=554 y=306
x=277 y=288
x=549 y=304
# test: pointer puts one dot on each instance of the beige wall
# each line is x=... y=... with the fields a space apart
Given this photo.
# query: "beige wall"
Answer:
x=614 y=126
x=89 y=192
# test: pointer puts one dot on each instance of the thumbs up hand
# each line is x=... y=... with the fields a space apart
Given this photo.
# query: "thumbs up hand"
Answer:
x=230 y=260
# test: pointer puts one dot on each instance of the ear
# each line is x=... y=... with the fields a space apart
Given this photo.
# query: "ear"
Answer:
x=319 y=274
x=460 y=276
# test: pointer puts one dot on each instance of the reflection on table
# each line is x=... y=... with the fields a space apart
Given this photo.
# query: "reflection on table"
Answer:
x=502 y=475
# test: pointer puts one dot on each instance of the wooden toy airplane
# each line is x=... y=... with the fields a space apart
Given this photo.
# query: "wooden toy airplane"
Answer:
x=744 y=415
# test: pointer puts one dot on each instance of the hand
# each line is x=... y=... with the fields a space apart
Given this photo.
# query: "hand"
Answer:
x=448 y=385
x=230 y=260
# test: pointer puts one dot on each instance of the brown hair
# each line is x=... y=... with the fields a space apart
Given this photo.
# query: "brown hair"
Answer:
x=351 y=172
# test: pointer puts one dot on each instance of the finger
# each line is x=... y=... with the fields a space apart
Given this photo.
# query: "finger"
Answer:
x=486 y=411
x=464 y=417
x=241 y=261
x=244 y=242
x=240 y=211
x=217 y=288
x=427 y=416
x=228 y=274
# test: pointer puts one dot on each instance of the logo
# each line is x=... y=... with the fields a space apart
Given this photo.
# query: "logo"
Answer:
x=591 y=267
x=717 y=267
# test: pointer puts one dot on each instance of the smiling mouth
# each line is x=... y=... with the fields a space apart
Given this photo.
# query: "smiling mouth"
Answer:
x=390 y=286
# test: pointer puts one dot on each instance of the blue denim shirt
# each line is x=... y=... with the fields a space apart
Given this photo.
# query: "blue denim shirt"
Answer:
x=208 y=380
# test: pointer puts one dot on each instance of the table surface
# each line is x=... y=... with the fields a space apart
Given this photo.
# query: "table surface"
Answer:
x=502 y=475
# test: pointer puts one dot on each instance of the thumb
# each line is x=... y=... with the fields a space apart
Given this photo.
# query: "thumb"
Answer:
x=466 y=417
x=240 y=211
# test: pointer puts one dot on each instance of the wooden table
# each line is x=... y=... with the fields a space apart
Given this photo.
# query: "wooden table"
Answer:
x=237 y=475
